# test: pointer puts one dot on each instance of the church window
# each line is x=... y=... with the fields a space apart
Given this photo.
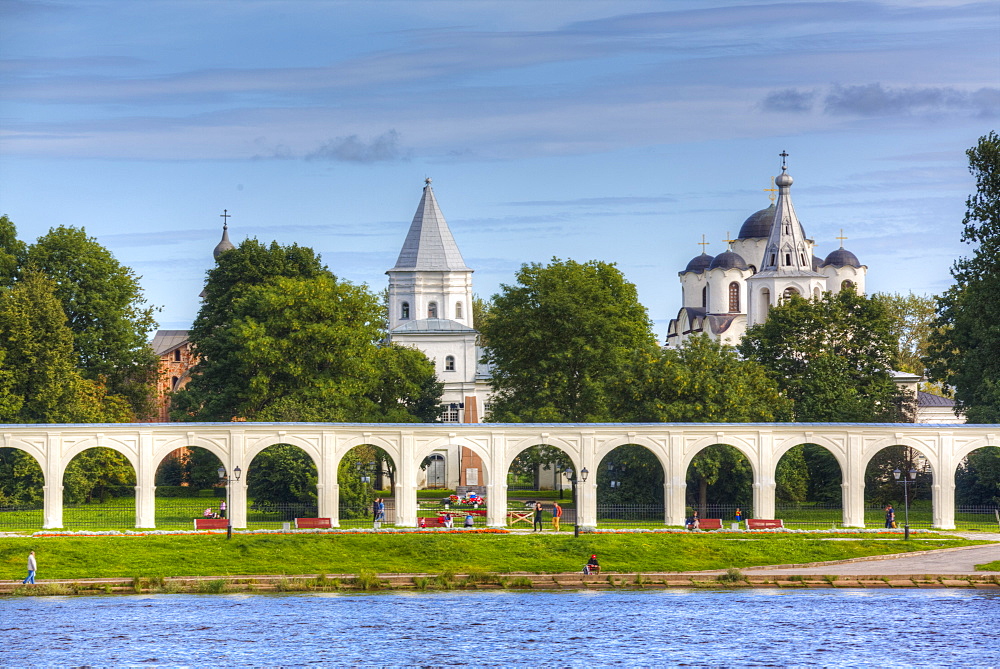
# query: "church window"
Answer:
x=789 y=292
x=432 y=310
x=788 y=258
x=436 y=471
x=177 y=355
x=773 y=260
x=449 y=363
x=802 y=257
x=704 y=297
x=450 y=414
x=734 y=297
x=458 y=310
x=847 y=284
x=173 y=382
x=765 y=303
x=404 y=311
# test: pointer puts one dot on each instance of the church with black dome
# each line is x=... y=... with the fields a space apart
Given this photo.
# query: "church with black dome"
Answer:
x=771 y=259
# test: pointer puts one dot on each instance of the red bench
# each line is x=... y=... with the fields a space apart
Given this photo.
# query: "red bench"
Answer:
x=312 y=524
x=709 y=523
x=764 y=523
x=210 y=523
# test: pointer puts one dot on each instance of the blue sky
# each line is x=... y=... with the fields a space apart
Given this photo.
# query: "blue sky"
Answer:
x=619 y=131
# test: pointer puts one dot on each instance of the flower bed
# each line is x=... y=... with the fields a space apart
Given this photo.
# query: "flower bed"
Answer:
x=151 y=533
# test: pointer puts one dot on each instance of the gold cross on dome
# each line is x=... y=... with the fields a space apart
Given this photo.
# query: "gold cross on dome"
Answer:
x=727 y=240
x=841 y=238
x=703 y=243
x=771 y=191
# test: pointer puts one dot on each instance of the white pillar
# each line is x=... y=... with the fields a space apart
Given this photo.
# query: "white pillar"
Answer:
x=675 y=482
x=406 y=483
x=586 y=492
x=852 y=485
x=237 y=510
x=53 y=489
x=943 y=484
x=145 y=479
x=763 y=486
x=327 y=487
x=496 y=482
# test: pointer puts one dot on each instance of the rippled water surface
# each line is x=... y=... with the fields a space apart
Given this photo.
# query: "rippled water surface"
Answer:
x=752 y=627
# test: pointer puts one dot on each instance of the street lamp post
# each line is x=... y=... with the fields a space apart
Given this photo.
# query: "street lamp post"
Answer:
x=229 y=502
x=571 y=475
x=906 y=483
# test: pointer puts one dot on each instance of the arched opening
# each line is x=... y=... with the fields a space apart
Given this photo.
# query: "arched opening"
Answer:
x=630 y=488
x=458 y=311
x=977 y=490
x=432 y=310
x=734 y=297
x=177 y=355
x=704 y=297
x=367 y=477
x=765 y=304
x=281 y=486
x=789 y=293
x=449 y=363
x=404 y=311
x=884 y=495
x=719 y=481
x=435 y=467
x=538 y=475
x=847 y=284
x=808 y=490
x=99 y=490
x=188 y=487
x=22 y=490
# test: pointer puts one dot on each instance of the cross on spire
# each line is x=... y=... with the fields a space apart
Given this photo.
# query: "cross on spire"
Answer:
x=841 y=238
x=783 y=154
x=770 y=193
x=703 y=243
x=225 y=215
x=729 y=241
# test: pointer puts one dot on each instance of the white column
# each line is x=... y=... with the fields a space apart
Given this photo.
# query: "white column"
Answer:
x=406 y=482
x=237 y=510
x=53 y=489
x=763 y=485
x=496 y=482
x=675 y=482
x=943 y=484
x=852 y=486
x=145 y=479
x=586 y=493
x=327 y=488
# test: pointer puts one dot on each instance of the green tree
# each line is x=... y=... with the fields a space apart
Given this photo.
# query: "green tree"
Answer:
x=96 y=475
x=12 y=252
x=106 y=312
x=880 y=484
x=721 y=473
x=559 y=338
x=21 y=478
x=832 y=356
x=282 y=474
x=791 y=477
x=911 y=317
x=962 y=350
x=977 y=481
x=701 y=382
x=40 y=382
x=637 y=474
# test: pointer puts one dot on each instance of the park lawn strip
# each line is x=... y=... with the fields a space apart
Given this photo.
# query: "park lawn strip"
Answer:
x=989 y=566
x=200 y=555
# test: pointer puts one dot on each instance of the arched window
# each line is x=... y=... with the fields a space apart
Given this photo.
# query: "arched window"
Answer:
x=789 y=292
x=449 y=363
x=734 y=297
x=788 y=258
x=404 y=311
x=177 y=355
x=847 y=284
x=765 y=303
x=773 y=260
x=458 y=310
x=173 y=382
x=432 y=310
x=802 y=257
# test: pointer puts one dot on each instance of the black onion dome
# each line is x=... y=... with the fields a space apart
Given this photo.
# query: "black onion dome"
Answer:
x=758 y=225
x=842 y=258
x=699 y=263
x=729 y=260
x=817 y=263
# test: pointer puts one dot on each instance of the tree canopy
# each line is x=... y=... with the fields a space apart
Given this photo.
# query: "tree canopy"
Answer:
x=558 y=338
x=963 y=348
x=832 y=356
x=293 y=342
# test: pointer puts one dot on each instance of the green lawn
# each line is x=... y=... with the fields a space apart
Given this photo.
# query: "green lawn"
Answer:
x=214 y=555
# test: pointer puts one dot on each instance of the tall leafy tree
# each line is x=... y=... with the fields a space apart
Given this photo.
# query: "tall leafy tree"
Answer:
x=105 y=310
x=963 y=349
x=977 y=481
x=282 y=474
x=12 y=252
x=832 y=356
x=911 y=323
x=558 y=338
x=96 y=475
x=701 y=382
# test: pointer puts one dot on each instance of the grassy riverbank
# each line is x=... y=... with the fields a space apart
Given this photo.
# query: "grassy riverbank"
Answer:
x=200 y=555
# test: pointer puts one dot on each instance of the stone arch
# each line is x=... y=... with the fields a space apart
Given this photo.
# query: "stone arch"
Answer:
x=24 y=494
x=390 y=446
x=310 y=447
x=545 y=474
x=744 y=496
x=195 y=494
x=976 y=494
x=446 y=443
x=836 y=448
x=117 y=445
x=809 y=477
x=629 y=482
x=166 y=448
x=746 y=448
x=881 y=489
x=281 y=475
x=362 y=481
x=80 y=507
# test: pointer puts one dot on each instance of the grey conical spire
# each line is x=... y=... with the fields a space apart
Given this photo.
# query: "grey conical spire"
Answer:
x=429 y=244
x=787 y=251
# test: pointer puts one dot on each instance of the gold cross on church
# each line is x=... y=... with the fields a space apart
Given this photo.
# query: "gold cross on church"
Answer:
x=703 y=243
x=841 y=238
x=770 y=191
x=728 y=241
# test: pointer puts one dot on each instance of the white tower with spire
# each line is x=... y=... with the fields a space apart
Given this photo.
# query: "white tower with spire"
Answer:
x=430 y=308
x=787 y=266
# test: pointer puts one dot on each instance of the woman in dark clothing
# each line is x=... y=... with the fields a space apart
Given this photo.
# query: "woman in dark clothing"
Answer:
x=537 y=527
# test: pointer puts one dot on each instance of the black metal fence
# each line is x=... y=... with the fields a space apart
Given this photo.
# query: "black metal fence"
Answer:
x=22 y=517
x=274 y=516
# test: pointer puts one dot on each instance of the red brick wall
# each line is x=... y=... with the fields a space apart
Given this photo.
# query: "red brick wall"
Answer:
x=174 y=375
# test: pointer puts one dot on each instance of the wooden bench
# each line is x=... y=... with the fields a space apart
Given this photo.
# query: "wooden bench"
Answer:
x=764 y=523
x=312 y=524
x=437 y=522
x=709 y=523
x=210 y=523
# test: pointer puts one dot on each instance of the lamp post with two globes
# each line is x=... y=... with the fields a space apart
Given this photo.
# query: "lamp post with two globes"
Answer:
x=229 y=502
x=570 y=474
x=906 y=483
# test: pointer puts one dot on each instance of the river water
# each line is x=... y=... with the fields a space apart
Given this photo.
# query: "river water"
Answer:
x=579 y=629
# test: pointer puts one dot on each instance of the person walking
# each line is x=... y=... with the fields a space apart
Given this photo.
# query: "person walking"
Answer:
x=890 y=516
x=556 y=516
x=32 y=568
x=537 y=526
x=739 y=515
x=378 y=513
x=222 y=509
